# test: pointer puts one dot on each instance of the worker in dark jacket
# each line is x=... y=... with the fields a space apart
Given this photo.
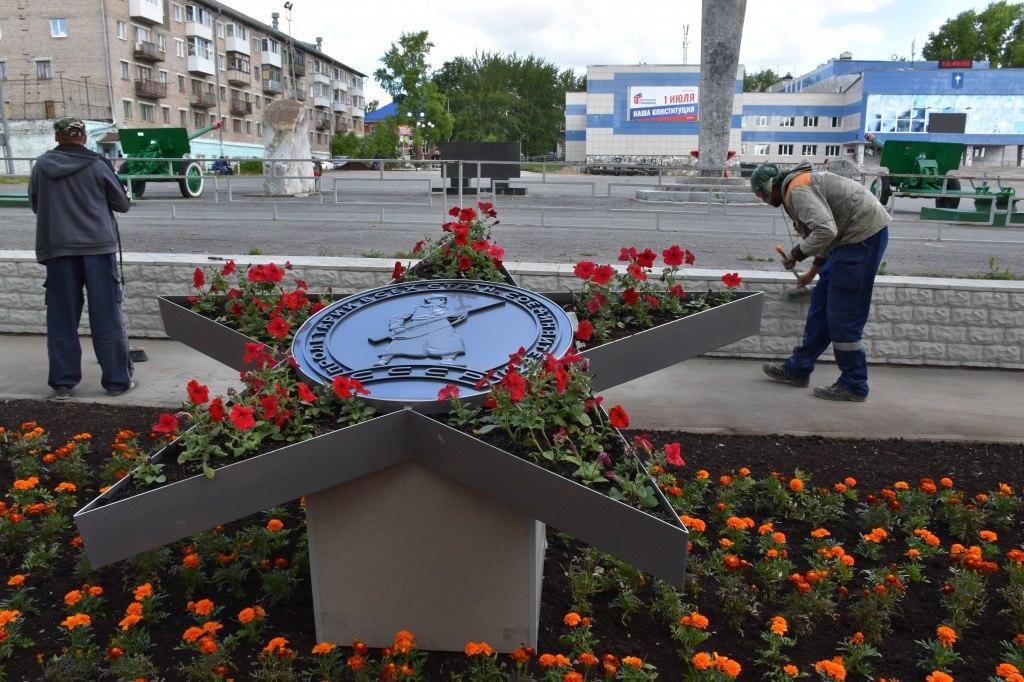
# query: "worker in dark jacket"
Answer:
x=845 y=230
x=74 y=192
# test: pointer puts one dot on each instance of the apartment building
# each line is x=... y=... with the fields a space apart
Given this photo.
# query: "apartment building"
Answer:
x=141 y=63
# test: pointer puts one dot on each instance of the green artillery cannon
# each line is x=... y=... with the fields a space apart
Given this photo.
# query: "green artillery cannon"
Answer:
x=140 y=144
x=932 y=160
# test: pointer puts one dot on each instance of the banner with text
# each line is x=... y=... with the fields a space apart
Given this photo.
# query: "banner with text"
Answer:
x=663 y=103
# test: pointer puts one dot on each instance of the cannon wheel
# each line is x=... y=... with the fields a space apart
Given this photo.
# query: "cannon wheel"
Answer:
x=949 y=202
x=882 y=189
x=192 y=184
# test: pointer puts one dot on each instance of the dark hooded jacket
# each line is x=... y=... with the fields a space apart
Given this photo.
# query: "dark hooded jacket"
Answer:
x=74 y=193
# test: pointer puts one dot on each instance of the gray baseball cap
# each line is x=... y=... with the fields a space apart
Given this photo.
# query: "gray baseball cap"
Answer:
x=69 y=126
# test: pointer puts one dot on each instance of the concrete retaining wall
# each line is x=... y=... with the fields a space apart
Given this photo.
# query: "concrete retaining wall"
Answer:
x=914 y=320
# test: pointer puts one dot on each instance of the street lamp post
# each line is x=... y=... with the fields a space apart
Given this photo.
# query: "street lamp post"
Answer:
x=291 y=47
x=216 y=76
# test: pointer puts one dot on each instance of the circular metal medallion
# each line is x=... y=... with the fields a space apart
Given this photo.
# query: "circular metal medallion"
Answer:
x=405 y=342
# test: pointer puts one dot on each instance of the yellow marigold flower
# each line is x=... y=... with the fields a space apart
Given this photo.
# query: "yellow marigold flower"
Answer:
x=946 y=635
x=779 y=625
x=702 y=661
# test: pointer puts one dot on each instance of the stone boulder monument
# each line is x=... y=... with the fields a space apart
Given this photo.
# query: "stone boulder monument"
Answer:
x=286 y=136
x=721 y=27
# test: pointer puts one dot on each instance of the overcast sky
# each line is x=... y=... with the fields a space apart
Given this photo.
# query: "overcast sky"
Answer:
x=785 y=35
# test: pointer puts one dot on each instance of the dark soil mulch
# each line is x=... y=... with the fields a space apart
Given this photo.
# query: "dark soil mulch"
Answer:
x=975 y=467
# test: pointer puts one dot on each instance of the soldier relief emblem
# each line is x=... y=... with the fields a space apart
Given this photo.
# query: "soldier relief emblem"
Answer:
x=406 y=341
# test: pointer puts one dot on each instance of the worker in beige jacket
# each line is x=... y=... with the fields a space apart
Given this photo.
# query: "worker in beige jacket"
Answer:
x=845 y=230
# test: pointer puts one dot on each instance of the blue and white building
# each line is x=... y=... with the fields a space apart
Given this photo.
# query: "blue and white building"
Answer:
x=650 y=113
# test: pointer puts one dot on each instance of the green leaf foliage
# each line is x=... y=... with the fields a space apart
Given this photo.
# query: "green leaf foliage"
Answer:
x=995 y=34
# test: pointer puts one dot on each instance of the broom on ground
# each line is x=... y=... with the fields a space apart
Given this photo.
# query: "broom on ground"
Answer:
x=797 y=292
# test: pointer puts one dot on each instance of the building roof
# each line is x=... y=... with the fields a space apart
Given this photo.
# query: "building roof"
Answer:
x=277 y=33
x=387 y=111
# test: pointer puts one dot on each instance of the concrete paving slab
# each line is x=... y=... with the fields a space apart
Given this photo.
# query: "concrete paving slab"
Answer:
x=722 y=395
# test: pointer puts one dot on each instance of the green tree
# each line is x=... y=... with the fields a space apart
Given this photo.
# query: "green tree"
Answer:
x=996 y=34
x=759 y=81
x=404 y=75
x=346 y=144
x=372 y=105
x=495 y=97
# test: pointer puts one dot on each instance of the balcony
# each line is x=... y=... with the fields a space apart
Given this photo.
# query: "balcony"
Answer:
x=300 y=93
x=340 y=84
x=150 y=89
x=340 y=106
x=197 y=64
x=268 y=58
x=323 y=122
x=146 y=11
x=147 y=52
x=238 y=77
x=298 y=68
x=358 y=112
x=239 y=107
x=237 y=44
x=321 y=101
x=198 y=29
x=321 y=78
x=203 y=100
x=272 y=87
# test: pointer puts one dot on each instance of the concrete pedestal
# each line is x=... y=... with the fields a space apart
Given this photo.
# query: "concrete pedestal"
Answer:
x=407 y=548
x=286 y=136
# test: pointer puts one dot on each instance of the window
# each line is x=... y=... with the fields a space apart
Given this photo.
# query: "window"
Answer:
x=762 y=121
x=161 y=42
x=58 y=28
x=178 y=12
x=146 y=111
x=179 y=47
x=743 y=148
x=163 y=78
x=127 y=104
x=762 y=149
x=236 y=125
x=144 y=73
x=221 y=61
x=183 y=117
x=787 y=121
x=142 y=35
x=198 y=15
x=197 y=47
x=125 y=71
x=837 y=121
x=44 y=69
x=3 y=71
x=198 y=119
x=831 y=150
x=248 y=127
x=259 y=129
x=165 y=114
x=256 y=72
x=785 y=150
x=809 y=150
x=979 y=152
x=223 y=93
x=181 y=83
x=810 y=121
x=220 y=30
x=268 y=45
x=122 y=30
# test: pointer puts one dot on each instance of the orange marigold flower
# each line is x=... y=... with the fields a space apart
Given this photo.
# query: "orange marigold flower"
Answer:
x=95 y=590
x=725 y=479
x=572 y=676
x=8 y=616
x=76 y=620
x=633 y=662
x=274 y=525
x=833 y=669
x=208 y=645
x=610 y=664
x=694 y=620
x=16 y=580
x=66 y=487
x=72 y=597
x=857 y=639
x=779 y=538
x=192 y=634
x=247 y=615
x=323 y=648
x=203 y=607
x=744 y=471
x=356 y=662
x=765 y=528
x=478 y=649
x=588 y=659
x=912 y=554
x=1019 y=639
x=142 y=591
x=26 y=483
x=901 y=485
x=135 y=608
x=876 y=535
x=114 y=653
x=572 y=619
x=702 y=474
x=702 y=661
x=546 y=661
x=779 y=625
x=693 y=523
x=739 y=523
x=927 y=485
x=190 y=561
x=796 y=485
x=839 y=488
x=820 y=533
x=988 y=536
x=938 y=676
x=129 y=620
x=1006 y=670
x=728 y=666
x=1005 y=490
x=850 y=481
x=275 y=644
x=946 y=635
x=522 y=655
x=790 y=670
x=210 y=627
x=725 y=542
x=981 y=498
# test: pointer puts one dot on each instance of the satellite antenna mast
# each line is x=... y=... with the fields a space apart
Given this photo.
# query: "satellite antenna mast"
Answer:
x=686 y=40
x=913 y=52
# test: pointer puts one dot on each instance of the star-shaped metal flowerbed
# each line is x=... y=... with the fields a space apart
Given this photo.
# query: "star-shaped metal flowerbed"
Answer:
x=413 y=523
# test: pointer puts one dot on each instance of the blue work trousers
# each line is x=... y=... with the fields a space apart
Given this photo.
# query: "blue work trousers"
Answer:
x=65 y=277
x=839 y=310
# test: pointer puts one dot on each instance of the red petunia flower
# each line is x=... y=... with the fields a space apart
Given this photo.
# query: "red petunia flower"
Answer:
x=585 y=330
x=596 y=302
x=646 y=258
x=198 y=278
x=270 y=406
x=454 y=211
x=495 y=253
x=216 y=409
x=345 y=387
x=461 y=232
x=467 y=214
x=448 y=391
x=197 y=392
x=630 y=297
x=618 y=417
x=731 y=279
x=278 y=327
x=673 y=256
x=652 y=300
x=637 y=271
x=677 y=291
x=228 y=268
x=418 y=246
x=627 y=253
x=585 y=269
x=465 y=263
x=673 y=455
x=399 y=270
x=603 y=274
x=167 y=425
x=241 y=417
x=305 y=394
x=515 y=384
